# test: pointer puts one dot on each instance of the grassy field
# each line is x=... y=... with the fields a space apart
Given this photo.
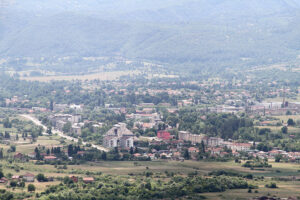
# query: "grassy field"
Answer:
x=123 y=168
x=101 y=76
x=285 y=118
x=286 y=189
x=278 y=128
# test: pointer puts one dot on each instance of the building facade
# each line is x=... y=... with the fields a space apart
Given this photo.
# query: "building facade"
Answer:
x=119 y=136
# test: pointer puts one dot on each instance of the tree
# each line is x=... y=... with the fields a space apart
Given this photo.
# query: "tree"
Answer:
x=31 y=188
x=22 y=184
x=7 y=123
x=202 y=147
x=40 y=131
x=6 y=135
x=13 y=183
x=49 y=130
x=41 y=178
x=284 y=130
x=131 y=150
x=103 y=155
x=290 y=122
x=1 y=153
x=67 y=127
x=51 y=105
x=12 y=148
x=278 y=157
x=186 y=154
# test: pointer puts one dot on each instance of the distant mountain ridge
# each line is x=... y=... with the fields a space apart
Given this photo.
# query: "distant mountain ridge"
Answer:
x=205 y=33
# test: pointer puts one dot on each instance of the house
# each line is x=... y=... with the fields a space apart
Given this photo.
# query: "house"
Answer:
x=75 y=118
x=165 y=135
x=186 y=136
x=32 y=155
x=88 y=179
x=215 y=150
x=239 y=146
x=28 y=177
x=81 y=153
x=3 y=180
x=119 y=136
x=212 y=141
x=15 y=178
x=193 y=150
x=18 y=156
x=49 y=158
x=76 y=130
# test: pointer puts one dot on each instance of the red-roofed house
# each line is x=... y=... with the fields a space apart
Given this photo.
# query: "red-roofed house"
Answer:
x=88 y=180
x=165 y=135
x=18 y=156
x=193 y=150
x=3 y=180
x=49 y=158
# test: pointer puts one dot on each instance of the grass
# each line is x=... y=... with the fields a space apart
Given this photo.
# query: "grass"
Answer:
x=101 y=76
x=42 y=140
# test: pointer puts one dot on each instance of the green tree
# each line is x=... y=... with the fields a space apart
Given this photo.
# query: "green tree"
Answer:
x=284 y=130
x=7 y=123
x=67 y=127
x=41 y=178
x=290 y=122
x=13 y=183
x=31 y=188
x=186 y=154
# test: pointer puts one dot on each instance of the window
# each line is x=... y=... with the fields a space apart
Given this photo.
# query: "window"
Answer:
x=111 y=143
x=128 y=143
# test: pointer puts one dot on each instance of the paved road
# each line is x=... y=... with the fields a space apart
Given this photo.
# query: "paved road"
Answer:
x=61 y=134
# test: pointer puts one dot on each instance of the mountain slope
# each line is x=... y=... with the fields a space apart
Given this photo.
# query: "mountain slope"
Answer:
x=205 y=33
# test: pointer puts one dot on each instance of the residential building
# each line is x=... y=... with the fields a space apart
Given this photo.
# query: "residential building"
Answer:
x=28 y=177
x=119 y=136
x=165 y=135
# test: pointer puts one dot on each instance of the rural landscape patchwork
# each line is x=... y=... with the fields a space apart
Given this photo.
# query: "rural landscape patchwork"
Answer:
x=149 y=99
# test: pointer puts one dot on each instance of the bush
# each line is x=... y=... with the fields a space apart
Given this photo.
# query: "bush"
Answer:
x=271 y=185
x=41 y=178
x=31 y=188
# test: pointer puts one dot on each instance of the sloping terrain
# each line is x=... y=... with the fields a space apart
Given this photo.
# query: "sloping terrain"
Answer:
x=203 y=33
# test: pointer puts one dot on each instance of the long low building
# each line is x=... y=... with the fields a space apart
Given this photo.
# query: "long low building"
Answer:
x=194 y=139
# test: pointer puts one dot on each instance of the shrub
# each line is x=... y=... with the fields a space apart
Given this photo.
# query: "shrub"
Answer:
x=31 y=188
x=271 y=185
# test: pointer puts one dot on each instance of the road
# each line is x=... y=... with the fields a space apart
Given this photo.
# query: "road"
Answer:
x=61 y=134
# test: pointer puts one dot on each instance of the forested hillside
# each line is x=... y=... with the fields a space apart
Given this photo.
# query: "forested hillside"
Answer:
x=202 y=34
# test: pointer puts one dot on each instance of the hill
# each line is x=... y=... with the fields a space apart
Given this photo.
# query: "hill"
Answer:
x=201 y=34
